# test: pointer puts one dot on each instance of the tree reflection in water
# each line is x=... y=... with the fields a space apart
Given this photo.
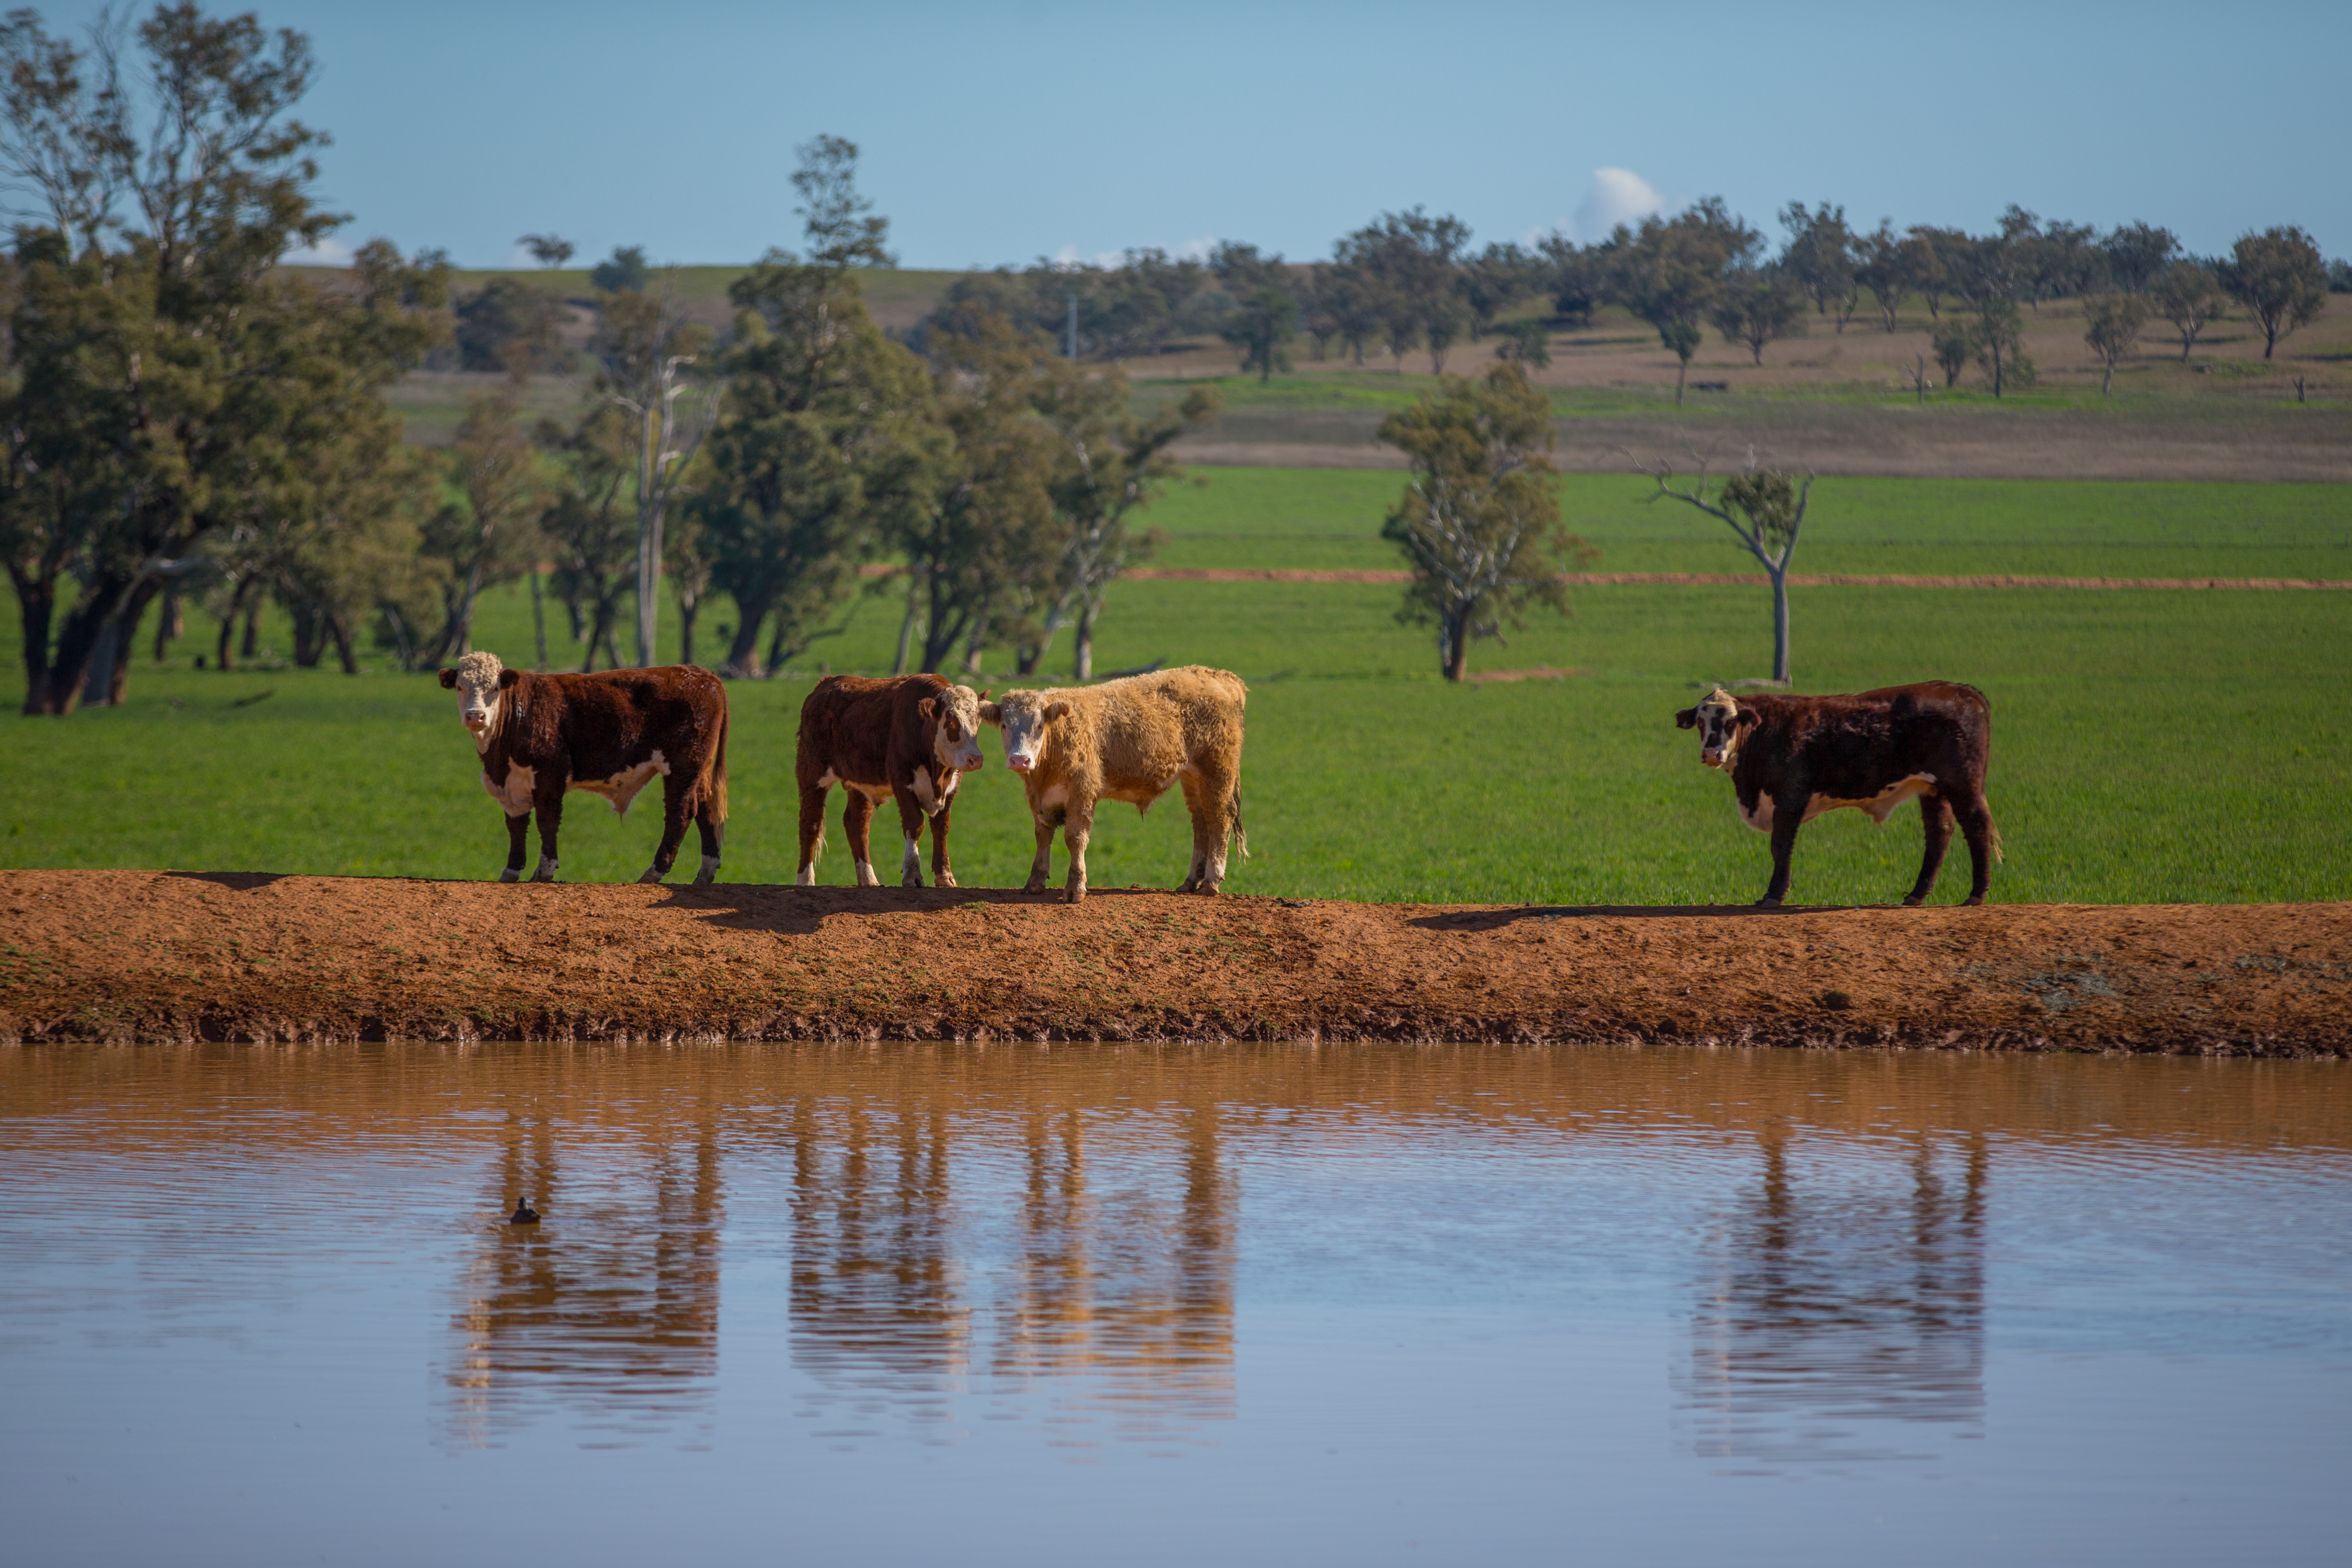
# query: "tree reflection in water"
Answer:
x=609 y=1307
x=1835 y=1305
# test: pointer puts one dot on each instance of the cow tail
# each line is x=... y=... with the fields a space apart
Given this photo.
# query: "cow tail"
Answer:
x=1241 y=833
x=714 y=773
x=1992 y=831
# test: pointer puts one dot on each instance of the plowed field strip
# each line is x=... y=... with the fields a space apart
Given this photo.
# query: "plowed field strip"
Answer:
x=1721 y=579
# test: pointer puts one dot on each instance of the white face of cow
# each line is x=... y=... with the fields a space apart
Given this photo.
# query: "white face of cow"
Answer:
x=955 y=729
x=1025 y=717
x=1721 y=725
x=480 y=681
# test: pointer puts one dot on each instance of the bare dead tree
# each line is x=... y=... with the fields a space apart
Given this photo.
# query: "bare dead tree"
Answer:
x=1770 y=507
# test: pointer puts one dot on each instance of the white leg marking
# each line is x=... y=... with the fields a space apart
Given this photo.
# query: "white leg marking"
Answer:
x=807 y=876
x=707 y=872
x=865 y=877
x=653 y=874
x=509 y=874
x=546 y=872
x=910 y=870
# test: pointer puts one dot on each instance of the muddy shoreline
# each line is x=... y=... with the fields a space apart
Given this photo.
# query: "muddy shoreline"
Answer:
x=130 y=957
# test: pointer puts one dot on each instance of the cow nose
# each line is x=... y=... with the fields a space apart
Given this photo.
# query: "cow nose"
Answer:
x=1018 y=765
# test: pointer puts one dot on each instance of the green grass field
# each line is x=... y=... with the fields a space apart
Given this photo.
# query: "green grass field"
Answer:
x=2148 y=746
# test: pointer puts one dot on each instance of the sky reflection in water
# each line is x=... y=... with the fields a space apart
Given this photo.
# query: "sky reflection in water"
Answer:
x=1144 y=1303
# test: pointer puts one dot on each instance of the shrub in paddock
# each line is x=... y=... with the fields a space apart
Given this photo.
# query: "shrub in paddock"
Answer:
x=540 y=736
x=1793 y=758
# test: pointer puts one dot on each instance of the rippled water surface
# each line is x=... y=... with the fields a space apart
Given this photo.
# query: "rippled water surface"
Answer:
x=1153 y=1304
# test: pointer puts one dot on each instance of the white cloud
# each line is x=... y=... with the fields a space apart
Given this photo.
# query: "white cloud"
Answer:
x=326 y=253
x=1616 y=195
x=1190 y=250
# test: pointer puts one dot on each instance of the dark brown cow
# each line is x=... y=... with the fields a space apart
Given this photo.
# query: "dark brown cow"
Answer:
x=541 y=735
x=1793 y=758
x=912 y=736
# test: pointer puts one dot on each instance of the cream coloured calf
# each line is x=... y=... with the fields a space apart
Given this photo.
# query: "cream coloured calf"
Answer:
x=1128 y=740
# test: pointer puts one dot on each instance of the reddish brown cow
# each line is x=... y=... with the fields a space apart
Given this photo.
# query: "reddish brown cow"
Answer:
x=913 y=737
x=540 y=736
x=1793 y=758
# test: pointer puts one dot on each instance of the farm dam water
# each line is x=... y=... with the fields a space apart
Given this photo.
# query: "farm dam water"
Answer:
x=130 y=957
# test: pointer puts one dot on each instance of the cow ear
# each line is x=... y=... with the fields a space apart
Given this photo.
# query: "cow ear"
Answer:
x=1056 y=710
x=507 y=677
x=929 y=708
x=983 y=694
x=448 y=680
x=990 y=713
x=1687 y=720
x=1748 y=720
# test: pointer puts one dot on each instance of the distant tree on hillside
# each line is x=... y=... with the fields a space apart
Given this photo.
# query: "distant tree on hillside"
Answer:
x=1498 y=278
x=1668 y=272
x=1576 y=277
x=1410 y=262
x=1261 y=328
x=507 y=325
x=1756 y=306
x=547 y=249
x=1937 y=259
x=1884 y=263
x=2280 y=277
x=1820 y=259
x=838 y=224
x=2112 y=324
x=2189 y=296
x=2138 y=253
x=1953 y=344
x=1479 y=520
x=1525 y=342
x=1998 y=336
x=624 y=272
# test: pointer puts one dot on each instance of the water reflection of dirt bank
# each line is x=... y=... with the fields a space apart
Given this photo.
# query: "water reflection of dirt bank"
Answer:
x=144 y=956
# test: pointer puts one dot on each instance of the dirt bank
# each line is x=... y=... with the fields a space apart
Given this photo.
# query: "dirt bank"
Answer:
x=132 y=956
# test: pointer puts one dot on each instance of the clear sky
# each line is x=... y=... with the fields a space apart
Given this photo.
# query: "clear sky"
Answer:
x=1000 y=131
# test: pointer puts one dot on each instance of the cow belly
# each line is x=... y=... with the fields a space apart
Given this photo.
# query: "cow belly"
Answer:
x=622 y=787
x=514 y=798
x=1880 y=805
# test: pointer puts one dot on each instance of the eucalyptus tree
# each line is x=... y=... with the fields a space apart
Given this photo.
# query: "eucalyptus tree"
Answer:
x=1765 y=510
x=2112 y=324
x=1819 y=257
x=2138 y=253
x=2189 y=296
x=165 y=379
x=1669 y=273
x=1757 y=305
x=1479 y=520
x=2280 y=278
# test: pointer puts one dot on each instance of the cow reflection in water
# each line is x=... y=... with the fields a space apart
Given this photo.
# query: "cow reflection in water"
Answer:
x=1835 y=1306
x=608 y=1310
x=1127 y=1292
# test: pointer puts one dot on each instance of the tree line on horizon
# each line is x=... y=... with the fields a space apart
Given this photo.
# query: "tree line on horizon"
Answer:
x=1408 y=281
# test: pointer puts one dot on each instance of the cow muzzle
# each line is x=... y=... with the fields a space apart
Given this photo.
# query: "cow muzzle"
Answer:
x=1020 y=764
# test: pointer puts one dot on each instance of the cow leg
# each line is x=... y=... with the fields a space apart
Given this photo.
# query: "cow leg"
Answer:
x=1787 y=816
x=518 y=831
x=811 y=834
x=856 y=817
x=706 y=817
x=1975 y=827
x=1041 y=869
x=548 y=802
x=1936 y=821
x=1209 y=796
x=910 y=828
x=940 y=874
x=1076 y=828
x=674 y=788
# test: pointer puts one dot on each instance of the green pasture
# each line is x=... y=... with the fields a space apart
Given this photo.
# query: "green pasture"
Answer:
x=2148 y=746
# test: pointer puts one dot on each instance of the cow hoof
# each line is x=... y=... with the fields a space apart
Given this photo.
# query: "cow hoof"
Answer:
x=542 y=876
x=511 y=874
x=947 y=880
x=1974 y=900
x=1915 y=900
x=705 y=877
x=1073 y=896
x=911 y=881
x=653 y=874
x=1033 y=884
x=1767 y=903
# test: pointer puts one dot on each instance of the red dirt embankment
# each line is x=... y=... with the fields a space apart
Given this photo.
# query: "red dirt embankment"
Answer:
x=132 y=956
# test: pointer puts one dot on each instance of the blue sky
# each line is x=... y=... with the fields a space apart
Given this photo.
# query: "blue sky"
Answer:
x=997 y=133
